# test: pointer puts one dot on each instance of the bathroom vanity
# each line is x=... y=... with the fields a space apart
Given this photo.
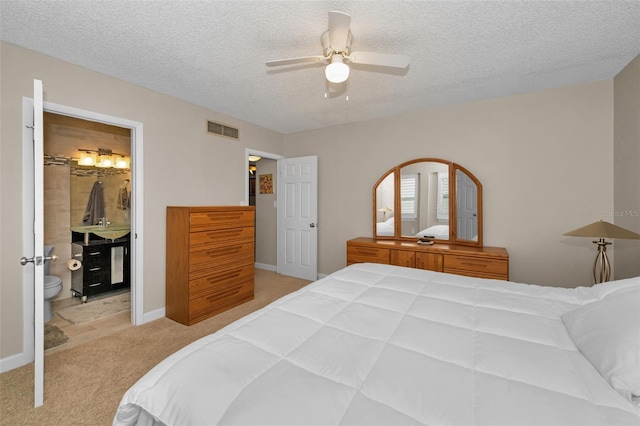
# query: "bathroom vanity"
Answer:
x=105 y=265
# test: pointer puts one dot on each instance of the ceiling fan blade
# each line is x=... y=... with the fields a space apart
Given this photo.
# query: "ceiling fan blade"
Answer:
x=339 y=23
x=290 y=61
x=381 y=59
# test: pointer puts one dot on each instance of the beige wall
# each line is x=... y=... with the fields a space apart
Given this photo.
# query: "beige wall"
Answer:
x=626 y=184
x=205 y=169
x=545 y=160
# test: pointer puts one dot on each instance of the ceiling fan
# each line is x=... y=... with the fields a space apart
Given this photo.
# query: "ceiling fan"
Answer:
x=336 y=45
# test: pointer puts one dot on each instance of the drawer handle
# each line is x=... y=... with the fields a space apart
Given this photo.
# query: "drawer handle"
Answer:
x=94 y=269
x=222 y=277
x=224 y=293
x=94 y=284
x=95 y=253
x=368 y=252
x=484 y=265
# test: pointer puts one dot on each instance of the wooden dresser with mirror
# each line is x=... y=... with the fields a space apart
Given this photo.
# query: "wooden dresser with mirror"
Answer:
x=439 y=202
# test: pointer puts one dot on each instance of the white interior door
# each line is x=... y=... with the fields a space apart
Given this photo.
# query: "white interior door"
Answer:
x=298 y=217
x=467 y=207
x=38 y=244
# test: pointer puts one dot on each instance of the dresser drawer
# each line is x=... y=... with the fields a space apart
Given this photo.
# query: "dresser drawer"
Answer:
x=200 y=221
x=361 y=254
x=402 y=258
x=223 y=255
x=209 y=280
x=220 y=235
x=220 y=299
x=478 y=265
x=96 y=282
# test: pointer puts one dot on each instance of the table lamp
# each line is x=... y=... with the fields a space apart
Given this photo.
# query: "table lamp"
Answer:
x=384 y=211
x=602 y=230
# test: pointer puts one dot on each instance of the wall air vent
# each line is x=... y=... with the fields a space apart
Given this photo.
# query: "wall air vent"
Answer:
x=222 y=130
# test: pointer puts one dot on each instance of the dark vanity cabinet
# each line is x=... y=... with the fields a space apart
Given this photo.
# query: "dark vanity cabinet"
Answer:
x=105 y=266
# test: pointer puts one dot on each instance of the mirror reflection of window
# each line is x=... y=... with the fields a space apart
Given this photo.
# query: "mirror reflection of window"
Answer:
x=409 y=200
x=443 y=197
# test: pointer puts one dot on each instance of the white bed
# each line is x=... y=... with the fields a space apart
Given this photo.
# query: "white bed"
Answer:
x=379 y=344
x=439 y=232
x=386 y=228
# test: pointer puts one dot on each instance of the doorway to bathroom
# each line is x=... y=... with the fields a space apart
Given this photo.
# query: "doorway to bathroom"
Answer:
x=87 y=178
x=33 y=224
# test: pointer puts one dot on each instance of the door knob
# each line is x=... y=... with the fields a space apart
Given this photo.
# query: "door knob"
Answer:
x=313 y=225
x=24 y=260
x=37 y=260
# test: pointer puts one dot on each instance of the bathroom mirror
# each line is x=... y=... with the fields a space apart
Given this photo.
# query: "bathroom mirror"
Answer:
x=428 y=197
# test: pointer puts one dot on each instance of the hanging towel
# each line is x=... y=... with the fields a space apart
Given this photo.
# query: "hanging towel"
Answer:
x=123 y=199
x=117 y=264
x=95 y=206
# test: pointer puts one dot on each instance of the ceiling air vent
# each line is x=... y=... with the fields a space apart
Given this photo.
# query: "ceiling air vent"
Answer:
x=221 y=129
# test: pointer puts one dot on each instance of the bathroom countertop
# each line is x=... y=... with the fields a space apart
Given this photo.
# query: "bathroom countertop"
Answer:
x=104 y=241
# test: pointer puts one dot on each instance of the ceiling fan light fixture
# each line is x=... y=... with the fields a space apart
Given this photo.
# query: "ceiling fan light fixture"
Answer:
x=337 y=71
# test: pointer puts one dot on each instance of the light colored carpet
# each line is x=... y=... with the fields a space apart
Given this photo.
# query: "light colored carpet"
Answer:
x=53 y=336
x=84 y=383
x=96 y=309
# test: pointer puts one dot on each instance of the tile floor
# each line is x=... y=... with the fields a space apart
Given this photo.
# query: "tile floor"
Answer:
x=85 y=332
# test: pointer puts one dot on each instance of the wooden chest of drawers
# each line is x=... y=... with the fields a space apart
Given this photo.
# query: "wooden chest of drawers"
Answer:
x=210 y=260
x=483 y=262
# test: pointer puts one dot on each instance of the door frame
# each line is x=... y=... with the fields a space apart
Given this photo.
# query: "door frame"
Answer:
x=137 y=256
x=270 y=156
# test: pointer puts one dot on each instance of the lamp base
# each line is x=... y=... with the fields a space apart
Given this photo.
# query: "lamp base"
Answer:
x=601 y=266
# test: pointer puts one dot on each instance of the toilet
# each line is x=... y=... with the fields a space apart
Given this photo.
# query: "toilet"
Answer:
x=52 y=284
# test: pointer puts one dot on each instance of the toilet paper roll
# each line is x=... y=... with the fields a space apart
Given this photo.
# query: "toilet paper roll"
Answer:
x=74 y=264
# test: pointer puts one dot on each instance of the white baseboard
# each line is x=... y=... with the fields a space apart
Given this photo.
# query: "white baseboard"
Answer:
x=14 y=361
x=271 y=268
x=153 y=315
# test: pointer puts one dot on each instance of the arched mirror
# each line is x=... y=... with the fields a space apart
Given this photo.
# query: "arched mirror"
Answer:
x=428 y=197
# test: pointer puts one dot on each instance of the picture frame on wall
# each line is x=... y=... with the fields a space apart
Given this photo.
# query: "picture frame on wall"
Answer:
x=266 y=184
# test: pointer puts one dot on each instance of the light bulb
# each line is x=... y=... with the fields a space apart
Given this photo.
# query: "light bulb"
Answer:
x=122 y=162
x=337 y=71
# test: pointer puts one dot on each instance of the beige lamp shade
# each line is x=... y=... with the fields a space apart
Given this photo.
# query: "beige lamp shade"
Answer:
x=602 y=229
x=384 y=209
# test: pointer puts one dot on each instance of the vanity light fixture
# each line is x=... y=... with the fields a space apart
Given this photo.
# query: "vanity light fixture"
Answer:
x=602 y=230
x=103 y=158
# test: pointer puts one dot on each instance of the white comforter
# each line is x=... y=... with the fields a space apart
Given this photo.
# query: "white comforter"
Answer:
x=378 y=344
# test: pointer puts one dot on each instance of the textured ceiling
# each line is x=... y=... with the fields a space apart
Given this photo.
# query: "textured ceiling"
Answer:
x=212 y=53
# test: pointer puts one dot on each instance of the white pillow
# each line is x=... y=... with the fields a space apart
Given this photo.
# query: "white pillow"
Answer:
x=607 y=332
